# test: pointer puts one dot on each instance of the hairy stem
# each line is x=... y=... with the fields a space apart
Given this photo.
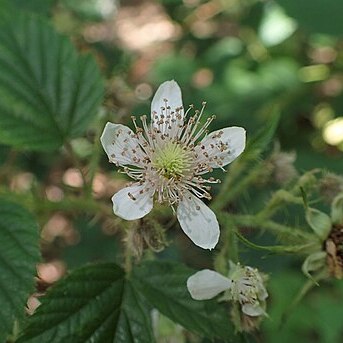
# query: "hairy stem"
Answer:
x=228 y=193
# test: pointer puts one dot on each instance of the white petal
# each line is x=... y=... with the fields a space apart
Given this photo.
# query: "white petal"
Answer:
x=221 y=147
x=253 y=310
x=206 y=284
x=119 y=143
x=198 y=221
x=171 y=92
x=130 y=204
x=262 y=292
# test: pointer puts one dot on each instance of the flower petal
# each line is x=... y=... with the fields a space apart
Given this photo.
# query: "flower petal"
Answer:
x=262 y=292
x=167 y=102
x=206 y=284
x=253 y=310
x=198 y=221
x=133 y=202
x=119 y=143
x=221 y=147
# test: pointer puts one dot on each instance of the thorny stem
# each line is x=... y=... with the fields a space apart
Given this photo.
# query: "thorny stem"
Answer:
x=268 y=225
x=128 y=253
x=229 y=248
x=283 y=196
x=127 y=257
x=69 y=204
x=227 y=194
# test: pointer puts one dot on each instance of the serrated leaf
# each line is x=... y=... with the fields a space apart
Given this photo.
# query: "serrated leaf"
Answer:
x=19 y=254
x=39 y=6
x=164 y=286
x=94 y=304
x=49 y=93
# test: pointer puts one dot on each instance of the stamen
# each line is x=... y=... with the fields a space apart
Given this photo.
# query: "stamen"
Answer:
x=166 y=156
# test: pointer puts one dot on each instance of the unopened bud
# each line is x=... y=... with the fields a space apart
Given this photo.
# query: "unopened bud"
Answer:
x=330 y=185
x=147 y=235
x=282 y=166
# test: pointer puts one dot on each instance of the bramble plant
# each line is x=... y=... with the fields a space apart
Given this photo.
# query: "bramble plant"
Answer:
x=260 y=233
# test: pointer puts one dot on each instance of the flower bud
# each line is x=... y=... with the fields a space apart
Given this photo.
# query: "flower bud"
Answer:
x=282 y=165
x=148 y=235
x=248 y=289
x=244 y=286
x=330 y=185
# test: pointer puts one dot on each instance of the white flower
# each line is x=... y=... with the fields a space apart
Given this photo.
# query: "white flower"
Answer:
x=167 y=160
x=244 y=285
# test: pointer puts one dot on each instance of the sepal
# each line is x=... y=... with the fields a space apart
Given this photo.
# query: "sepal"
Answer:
x=319 y=222
x=337 y=209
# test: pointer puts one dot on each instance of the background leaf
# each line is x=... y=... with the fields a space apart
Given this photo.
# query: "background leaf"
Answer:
x=40 y=6
x=93 y=304
x=164 y=286
x=49 y=93
x=316 y=15
x=19 y=253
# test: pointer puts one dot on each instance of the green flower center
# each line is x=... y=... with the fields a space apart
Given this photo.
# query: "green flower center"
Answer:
x=172 y=161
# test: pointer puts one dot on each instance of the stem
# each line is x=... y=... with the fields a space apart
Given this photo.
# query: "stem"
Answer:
x=128 y=255
x=69 y=204
x=275 y=203
x=286 y=196
x=227 y=194
x=229 y=247
x=269 y=225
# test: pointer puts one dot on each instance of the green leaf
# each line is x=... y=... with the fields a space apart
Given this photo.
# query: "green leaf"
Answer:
x=49 y=93
x=39 y=6
x=19 y=254
x=263 y=137
x=316 y=15
x=164 y=286
x=94 y=304
x=319 y=222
